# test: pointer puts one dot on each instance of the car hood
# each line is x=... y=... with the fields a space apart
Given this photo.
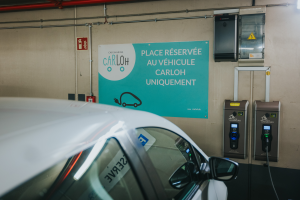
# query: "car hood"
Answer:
x=37 y=133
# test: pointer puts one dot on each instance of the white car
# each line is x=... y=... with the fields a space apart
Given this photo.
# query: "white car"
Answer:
x=67 y=150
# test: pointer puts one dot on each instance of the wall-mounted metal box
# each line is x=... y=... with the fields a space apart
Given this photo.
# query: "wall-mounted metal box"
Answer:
x=225 y=41
x=266 y=124
x=235 y=129
x=251 y=38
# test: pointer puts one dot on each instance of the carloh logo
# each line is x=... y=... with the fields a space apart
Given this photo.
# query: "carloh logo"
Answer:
x=264 y=119
x=116 y=61
x=233 y=118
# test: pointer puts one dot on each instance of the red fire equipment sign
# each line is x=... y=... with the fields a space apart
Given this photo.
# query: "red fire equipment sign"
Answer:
x=91 y=99
x=82 y=43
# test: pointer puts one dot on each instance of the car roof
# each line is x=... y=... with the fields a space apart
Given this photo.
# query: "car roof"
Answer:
x=37 y=133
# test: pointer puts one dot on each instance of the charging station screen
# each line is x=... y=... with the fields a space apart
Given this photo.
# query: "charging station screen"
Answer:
x=234 y=125
x=267 y=127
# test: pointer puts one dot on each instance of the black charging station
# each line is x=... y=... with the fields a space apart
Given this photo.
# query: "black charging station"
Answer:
x=266 y=130
x=235 y=129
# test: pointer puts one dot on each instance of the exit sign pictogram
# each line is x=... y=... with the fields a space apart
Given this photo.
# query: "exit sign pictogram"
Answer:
x=82 y=43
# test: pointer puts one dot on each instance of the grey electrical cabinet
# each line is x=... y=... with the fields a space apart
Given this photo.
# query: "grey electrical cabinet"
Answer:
x=251 y=37
x=225 y=38
x=266 y=126
x=235 y=129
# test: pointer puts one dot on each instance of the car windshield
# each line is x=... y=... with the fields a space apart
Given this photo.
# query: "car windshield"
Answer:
x=100 y=172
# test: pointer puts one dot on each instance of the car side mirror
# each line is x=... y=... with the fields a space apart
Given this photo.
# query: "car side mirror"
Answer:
x=182 y=176
x=223 y=169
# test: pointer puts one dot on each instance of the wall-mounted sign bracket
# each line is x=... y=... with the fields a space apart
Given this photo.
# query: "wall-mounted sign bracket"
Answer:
x=236 y=80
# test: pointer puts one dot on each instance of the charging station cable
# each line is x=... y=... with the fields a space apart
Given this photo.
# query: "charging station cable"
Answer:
x=267 y=141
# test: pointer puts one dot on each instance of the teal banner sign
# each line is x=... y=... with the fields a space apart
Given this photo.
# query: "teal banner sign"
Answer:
x=168 y=79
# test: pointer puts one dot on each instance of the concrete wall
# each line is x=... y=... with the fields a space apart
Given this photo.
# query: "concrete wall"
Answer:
x=43 y=62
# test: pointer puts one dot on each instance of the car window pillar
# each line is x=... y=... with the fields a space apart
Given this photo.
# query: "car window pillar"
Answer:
x=147 y=164
x=137 y=157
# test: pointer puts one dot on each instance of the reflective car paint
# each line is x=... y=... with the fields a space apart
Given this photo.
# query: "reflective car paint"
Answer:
x=30 y=128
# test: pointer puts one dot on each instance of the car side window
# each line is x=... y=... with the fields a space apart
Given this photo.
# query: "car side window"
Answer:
x=96 y=173
x=173 y=159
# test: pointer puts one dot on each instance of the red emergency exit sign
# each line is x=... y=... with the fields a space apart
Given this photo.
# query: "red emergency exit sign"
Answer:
x=82 y=43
